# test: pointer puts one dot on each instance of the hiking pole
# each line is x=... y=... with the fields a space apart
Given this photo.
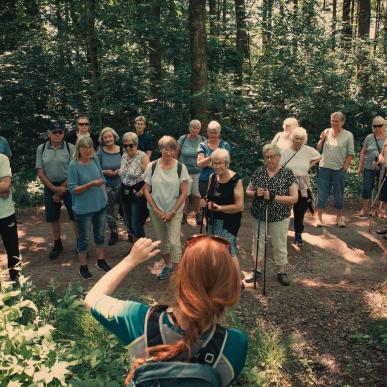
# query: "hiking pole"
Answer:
x=256 y=256
x=377 y=196
x=265 y=250
x=202 y=219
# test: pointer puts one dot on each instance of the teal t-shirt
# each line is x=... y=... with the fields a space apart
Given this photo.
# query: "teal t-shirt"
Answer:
x=6 y=204
x=372 y=150
x=5 y=148
x=94 y=198
x=126 y=320
x=189 y=152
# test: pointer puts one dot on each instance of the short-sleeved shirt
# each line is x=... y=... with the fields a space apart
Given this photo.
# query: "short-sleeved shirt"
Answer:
x=145 y=143
x=126 y=320
x=282 y=140
x=189 y=152
x=299 y=161
x=372 y=150
x=6 y=204
x=54 y=161
x=165 y=184
x=94 y=198
x=110 y=161
x=5 y=148
x=336 y=149
x=279 y=184
x=204 y=148
x=131 y=168
x=72 y=138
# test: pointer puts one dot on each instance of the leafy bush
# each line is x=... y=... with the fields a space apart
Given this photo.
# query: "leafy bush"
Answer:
x=27 y=190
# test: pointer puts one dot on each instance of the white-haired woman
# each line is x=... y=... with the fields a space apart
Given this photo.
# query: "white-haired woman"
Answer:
x=300 y=158
x=337 y=148
x=205 y=149
x=282 y=139
x=166 y=183
x=274 y=188
x=133 y=165
x=369 y=164
x=187 y=153
x=86 y=183
x=225 y=199
x=109 y=156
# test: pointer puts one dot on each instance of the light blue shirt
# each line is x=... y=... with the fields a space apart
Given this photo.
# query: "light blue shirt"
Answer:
x=4 y=147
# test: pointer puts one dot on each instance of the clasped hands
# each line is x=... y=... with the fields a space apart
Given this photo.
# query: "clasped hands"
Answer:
x=262 y=193
x=210 y=205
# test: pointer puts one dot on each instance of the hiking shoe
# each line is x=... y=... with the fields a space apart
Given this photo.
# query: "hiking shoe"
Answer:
x=84 y=272
x=283 y=279
x=165 y=273
x=341 y=222
x=298 y=240
x=249 y=279
x=318 y=223
x=382 y=231
x=102 y=265
x=113 y=239
x=56 y=250
x=198 y=219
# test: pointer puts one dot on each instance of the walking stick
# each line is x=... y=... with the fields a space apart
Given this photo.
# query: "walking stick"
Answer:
x=377 y=196
x=265 y=252
x=256 y=256
x=202 y=220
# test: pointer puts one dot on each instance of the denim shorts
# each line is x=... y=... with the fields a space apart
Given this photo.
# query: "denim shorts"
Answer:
x=370 y=179
x=330 y=180
x=52 y=209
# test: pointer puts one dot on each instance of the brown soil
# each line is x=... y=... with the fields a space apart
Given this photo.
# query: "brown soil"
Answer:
x=338 y=287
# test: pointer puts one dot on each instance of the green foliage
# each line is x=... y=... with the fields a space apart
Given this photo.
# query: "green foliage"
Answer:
x=375 y=335
x=27 y=190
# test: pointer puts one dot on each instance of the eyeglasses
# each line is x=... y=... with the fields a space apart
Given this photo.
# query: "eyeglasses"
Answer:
x=215 y=163
x=83 y=124
x=126 y=146
x=57 y=132
x=86 y=147
x=378 y=126
x=199 y=237
x=272 y=157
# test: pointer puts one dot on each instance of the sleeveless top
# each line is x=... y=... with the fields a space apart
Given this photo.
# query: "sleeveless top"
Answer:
x=131 y=171
x=223 y=194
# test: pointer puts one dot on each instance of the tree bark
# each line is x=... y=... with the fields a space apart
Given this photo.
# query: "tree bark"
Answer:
x=267 y=11
x=155 y=48
x=364 y=18
x=199 y=65
x=241 y=46
x=346 y=20
x=334 y=21
x=212 y=16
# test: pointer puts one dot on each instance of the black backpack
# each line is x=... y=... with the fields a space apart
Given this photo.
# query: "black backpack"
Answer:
x=199 y=372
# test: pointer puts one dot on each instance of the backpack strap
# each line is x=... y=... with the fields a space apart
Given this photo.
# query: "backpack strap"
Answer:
x=154 y=165
x=152 y=331
x=68 y=148
x=179 y=168
x=44 y=147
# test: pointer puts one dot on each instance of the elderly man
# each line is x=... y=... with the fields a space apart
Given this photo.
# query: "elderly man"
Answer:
x=336 y=146
x=8 y=226
x=52 y=162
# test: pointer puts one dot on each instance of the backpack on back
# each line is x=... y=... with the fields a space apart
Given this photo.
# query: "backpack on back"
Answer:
x=199 y=372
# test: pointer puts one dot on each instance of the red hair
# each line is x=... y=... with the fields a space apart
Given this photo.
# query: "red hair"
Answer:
x=205 y=284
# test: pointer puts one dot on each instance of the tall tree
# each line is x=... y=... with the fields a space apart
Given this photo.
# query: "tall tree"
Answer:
x=212 y=16
x=267 y=12
x=199 y=60
x=364 y=21
x=346 y=20
x=241 y=46
x=334 y=22
x=155 y=47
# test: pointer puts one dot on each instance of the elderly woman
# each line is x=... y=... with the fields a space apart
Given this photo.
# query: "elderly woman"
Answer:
x=86 y=183
x=166 y=183
x=274 y=188
x=205 y=149
x=300 y=158
x=186 y=153
x=82 y=129
x=225 y=199
x=336 y=146
x=282 y=139
x=369 y=165
x=109 y=156
x=133 y=165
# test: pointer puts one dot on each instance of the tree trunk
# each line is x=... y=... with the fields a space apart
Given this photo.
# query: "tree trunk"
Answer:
x=267 y=11
x=242 y=48
x=364 y=18
x=224 y=14
x=334 y=20
x=8 y=26
x=199 y=65
x=155 y=48
x=347 y=26
x=212 y=16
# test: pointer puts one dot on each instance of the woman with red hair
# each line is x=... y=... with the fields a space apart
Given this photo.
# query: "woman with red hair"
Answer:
x=205 y=284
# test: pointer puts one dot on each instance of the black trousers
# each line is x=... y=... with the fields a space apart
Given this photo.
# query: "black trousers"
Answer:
x=299 y=210
x=8 y=232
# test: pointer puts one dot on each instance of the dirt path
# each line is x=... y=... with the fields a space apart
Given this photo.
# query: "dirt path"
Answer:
x=338 y=287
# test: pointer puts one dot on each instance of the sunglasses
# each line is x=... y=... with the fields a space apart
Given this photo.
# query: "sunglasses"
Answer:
x=83 y=124
x=199 y=237
x=126 y=146
x=378 y=126
x=57 y=132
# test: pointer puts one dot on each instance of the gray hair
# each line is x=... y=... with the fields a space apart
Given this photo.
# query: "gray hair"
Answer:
x=379 y=120
x=275 y=148
x=195 y=124
x=83 y=142
x=221 y=154
x=290 y=121
x=130 y=136
x=338 y=115
x=167 y=142
x=105 y=130
x=300 y=132
x=214 y=125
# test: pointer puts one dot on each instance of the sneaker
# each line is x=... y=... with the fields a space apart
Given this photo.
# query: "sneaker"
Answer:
x=184 y=219
x=102 y=265
x=341 y=222
x=283 y=279
x=165 y=273
x=113 y=239
x=56 y=250
x=84 y=272
x=318 y=223
x=382 y=231
x=198 y=219
x=249 y=279
x=298 y=240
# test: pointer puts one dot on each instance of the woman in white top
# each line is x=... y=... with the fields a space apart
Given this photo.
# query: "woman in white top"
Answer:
x=300 y=158
x=166 y=183
x=282 y=139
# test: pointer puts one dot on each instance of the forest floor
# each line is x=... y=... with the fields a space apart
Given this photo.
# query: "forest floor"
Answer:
x=332 y=317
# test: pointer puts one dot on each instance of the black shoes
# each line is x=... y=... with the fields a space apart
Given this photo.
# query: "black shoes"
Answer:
x=283 y=279
x=382 y=231
x=113 y=239
x=56 y=250
x=249 y=279
x=102 y=265
x=298 y=240
x=85 y=273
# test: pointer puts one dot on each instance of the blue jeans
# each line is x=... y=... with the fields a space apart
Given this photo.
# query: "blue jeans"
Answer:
x=135 y=214
x=328 y=179
x=370 y=176
x=83 y=225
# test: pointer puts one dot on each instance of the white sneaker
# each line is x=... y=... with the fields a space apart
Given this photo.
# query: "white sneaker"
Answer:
x=318 y=222
x=341 y=221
